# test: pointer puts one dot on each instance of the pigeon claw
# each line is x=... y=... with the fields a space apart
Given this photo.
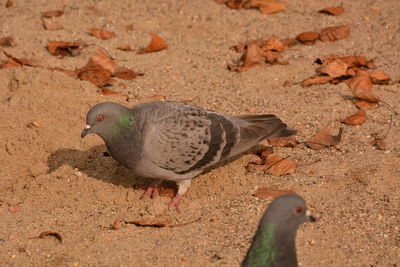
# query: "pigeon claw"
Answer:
x=151 y=191
x=175 y=202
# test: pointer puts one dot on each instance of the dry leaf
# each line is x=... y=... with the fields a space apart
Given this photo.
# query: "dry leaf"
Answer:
x=379 y=77
x=125 y=47
x=50 y=25
x=61 y=48
x=334 y=33
x=252 y=56
x=7 y=41
x=95 y=74
x=275 y=44
x=264 y=192
x=334 y=68
x=102 y=34
x=48 y=233
x=358 y=61
x=324 y=138
x=272 y=57
x=52 y=13
x=379 y=143
x=365 y=95
x=116 y=225
x=14 y=62
x=360 y=81
x=9 y=3
x=337 y=10
x=101 y=58
x=290 y=141
x=108 y=92
x=125 y=73
x=266 y=6
x=279 y=166
x=356 y=119
x=362 y=104
x=156 y=44
x=307 y=37
x=316 y=80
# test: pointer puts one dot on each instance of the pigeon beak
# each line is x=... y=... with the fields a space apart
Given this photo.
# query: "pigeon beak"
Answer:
x=310 y=217
x=86 y=130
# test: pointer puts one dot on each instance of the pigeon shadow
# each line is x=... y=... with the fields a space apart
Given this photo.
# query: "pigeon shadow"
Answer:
x=95 y=162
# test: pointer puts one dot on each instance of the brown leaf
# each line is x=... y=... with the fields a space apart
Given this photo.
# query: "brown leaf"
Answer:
x=52 y=13
x=272 y=57
x=14 y=209
x=125 y=47
x=334 y=68
x=109 y=92
x=337 y=10
x=150 y=222
x=50 y=25
x=116 y=225
x=360 y=81
x=267 y=6
x=252 y=56
x=316 y=80
x=95 y=74
x=288 y=42
x=334 y=33
x=358 y=61
x=101 y=58
x=264 y=192
x=274 y=44
x=102 y=34
x=365 y=95
x=125 y=73
x=356 y=119
x=362 y=104
x=279 y=166
x=7 y=41
x=324 y=138
x=307 y=37
x=9 y=3
x=283 y=141
x=48 y=233
x=61 y=48
x=14 y=62
x=379 y=77
x=379 y=143
x=156 y=44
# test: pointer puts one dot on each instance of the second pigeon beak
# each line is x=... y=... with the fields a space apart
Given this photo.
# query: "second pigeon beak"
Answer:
x=310 y=217
x=85 y=131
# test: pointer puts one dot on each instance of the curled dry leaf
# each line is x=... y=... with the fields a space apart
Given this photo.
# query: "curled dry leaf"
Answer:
x=362 y=104
x=125 y=47
x=95 y=74
x=288 y=42
x=358 y=61
x=7 y=41
x=125 y=73
x=307 y=37
x=61 y=48
x=379 y=77
x=324 y=138
x=156 y=44
x=52 y=13
x=102 y=34
x=290 y=141
x=337 y=10
x=51 y=25
x=379 y=143
x=278 y=166
x=356 y=119
x=14 y=62
x=316 y=80
x=334 y=68
x=266 y=6
x=49 y=233
x=116 y=225
x=101 y=58
x=108 y=92
x=360 y=81
x=334 y=33
x=365 y=95
x=252 y=56
x=274 y=44
x=264 y=192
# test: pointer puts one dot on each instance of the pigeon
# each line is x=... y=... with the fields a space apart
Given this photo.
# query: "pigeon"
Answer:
x=274 y=241
x=174 y=141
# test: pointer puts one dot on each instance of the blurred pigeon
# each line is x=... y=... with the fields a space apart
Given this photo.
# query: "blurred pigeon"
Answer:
x=274 y=241
x=176 y=141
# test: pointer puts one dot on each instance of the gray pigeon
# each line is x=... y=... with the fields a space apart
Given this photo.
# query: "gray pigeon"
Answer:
x=175 y=141
x=274 y=241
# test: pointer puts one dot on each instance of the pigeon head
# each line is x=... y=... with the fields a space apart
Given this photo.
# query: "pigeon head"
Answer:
x=107 y=120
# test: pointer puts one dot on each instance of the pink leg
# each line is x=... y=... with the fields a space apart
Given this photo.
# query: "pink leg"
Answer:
x=175 y=202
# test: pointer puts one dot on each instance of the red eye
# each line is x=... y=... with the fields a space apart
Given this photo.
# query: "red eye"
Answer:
x=100 y=117
x=298 y=210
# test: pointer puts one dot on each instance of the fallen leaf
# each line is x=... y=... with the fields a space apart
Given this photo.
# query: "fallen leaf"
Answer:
x=360 y=81
x=252 y=56
x=307 y=37
x=102 y=34
x=324 y=139
x=278 y=166
x=14 y=62
x=48 y=233
x=7 y=41
x=271 y=57
x=156 y=44
x=379 y=77
x=266 y=6
x=365 y=95
x=334 y=68
x=316 y=80
x=362 y=104
x=264 y=192
x=125 y=73
x=116 y=225
x=125 y=47
x=379 y=143
x=52 y=13
x=275 y=44
x=337 y=10
x=95 y=74
x=283 y=141
x=288 y=42
x=356 y=119
x=334 y=33
x=14 y=209
x=101 y=58
x=50 y=25
x=108 y=92
x=61 y=48
x=358 y=61
x=9 y=3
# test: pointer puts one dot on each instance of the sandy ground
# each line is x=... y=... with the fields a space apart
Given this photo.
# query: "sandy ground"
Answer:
x=51 y=180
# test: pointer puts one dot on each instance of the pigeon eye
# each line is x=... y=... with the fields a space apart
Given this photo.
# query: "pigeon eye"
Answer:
x=100 y=117
x=298 y=210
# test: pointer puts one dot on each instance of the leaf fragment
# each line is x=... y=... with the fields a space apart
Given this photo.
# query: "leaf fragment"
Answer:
x=356 y=119
x=266 y=6
x=308 y=38
x=61 y=48
x=290 y=141
x=334 y=11
x=102 y=34
x=316 y=80
x=331 y=34
x=324 y=138
x=7 y=41
x=52 y=13
x=379 y=77
x=334 y=68
x=156 y=44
